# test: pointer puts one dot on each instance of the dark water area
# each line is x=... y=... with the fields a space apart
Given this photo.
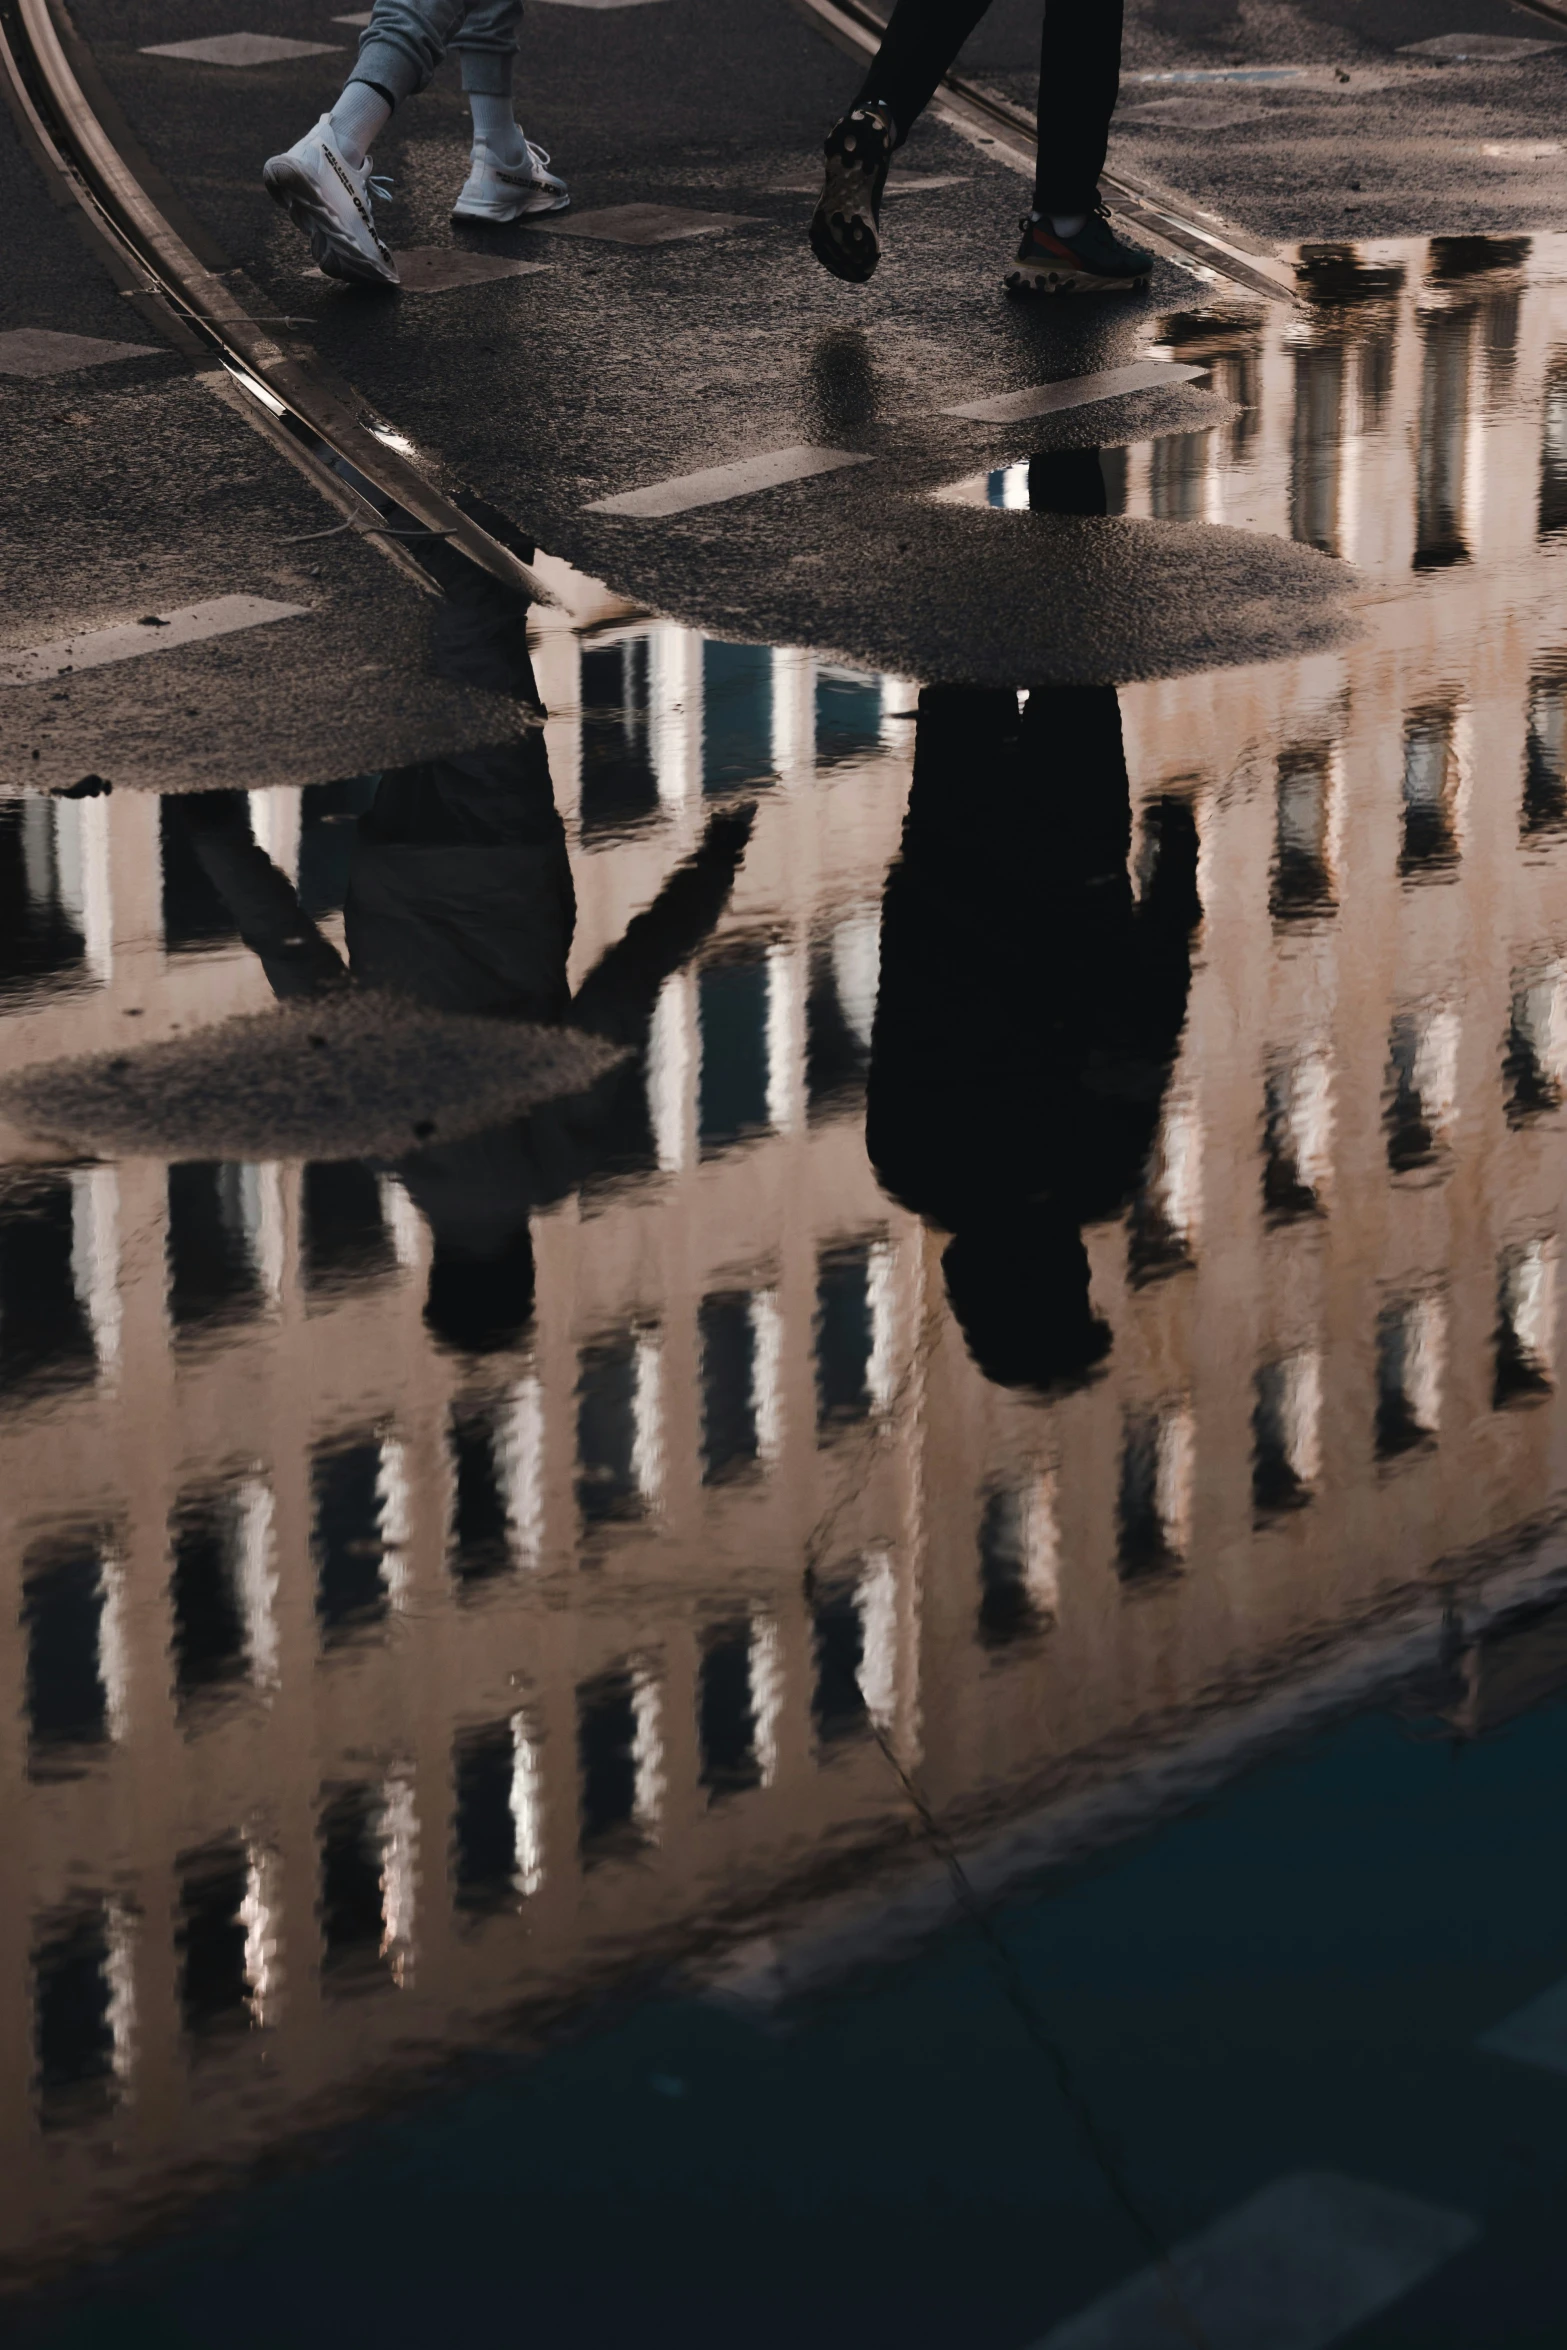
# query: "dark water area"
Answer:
x=784 y=1467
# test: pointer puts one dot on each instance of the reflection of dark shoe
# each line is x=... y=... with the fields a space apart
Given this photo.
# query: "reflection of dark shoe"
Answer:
x=845 y=226
x=1095 y=261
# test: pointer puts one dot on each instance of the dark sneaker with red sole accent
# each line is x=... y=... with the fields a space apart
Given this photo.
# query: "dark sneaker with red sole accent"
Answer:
x=1095 y=261
x=845 y=227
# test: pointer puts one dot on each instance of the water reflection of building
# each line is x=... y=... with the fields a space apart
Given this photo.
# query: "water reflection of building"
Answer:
x=357 y=1692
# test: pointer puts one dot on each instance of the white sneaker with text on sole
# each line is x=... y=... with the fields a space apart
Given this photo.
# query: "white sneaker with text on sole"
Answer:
x=509 y=191
x=330 y=199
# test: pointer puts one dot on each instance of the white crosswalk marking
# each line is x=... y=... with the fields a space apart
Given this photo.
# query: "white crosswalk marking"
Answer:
x=158 y=632
x=717 y=482
x=39 y=350
x=1075 y=391
x=240 y=49
x=1294 y=2268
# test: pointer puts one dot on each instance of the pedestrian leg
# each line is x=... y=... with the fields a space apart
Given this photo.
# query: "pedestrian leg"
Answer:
x=921 y=41
x=509 y=177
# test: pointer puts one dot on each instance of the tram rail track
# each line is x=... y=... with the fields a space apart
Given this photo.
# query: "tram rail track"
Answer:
x=369 y=471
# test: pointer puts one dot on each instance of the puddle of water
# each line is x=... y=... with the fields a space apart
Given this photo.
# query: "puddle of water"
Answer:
x=1074 y=1229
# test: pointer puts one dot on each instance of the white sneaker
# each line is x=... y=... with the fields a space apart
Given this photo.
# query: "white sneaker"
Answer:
x=509 y=191
x=330 y=199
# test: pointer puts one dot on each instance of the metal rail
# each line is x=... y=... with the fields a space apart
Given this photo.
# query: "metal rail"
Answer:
x=1186 y=234
x=361 y=463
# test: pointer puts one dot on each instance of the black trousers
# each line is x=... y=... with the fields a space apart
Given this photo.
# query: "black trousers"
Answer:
x=1079 y=74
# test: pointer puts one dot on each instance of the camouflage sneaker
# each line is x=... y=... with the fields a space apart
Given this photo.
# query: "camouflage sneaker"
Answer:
x=844 y=227
x=1095 y=261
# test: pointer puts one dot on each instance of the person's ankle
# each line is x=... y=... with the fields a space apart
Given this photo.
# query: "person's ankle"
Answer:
x=1061 y=224
x=357 y=120
x=495 y=129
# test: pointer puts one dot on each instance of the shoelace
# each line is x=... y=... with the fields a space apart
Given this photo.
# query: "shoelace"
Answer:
x=380 y=187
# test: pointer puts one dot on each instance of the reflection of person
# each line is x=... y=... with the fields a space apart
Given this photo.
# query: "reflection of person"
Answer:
x=460 y=896
x=324 y=180
x=1029 y=1008
x=1068 y=244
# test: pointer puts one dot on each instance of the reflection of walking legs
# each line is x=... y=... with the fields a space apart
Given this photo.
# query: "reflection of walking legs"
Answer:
x=1068 y=244
x=324 y=179
x=1028 y=1011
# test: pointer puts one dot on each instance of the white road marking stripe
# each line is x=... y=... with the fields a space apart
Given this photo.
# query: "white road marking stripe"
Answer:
x=1294 y=2268
x=242 y=49
x=908 y=187
x=38 y=350
x=1075 y=391
x=156 y=634
x=717 y=482
x=1537 y=2034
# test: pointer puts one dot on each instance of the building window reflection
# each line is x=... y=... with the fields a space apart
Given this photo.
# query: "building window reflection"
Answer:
x=620 y=1762
x=497 y=1818
x=1019 y=1562
x=848 y=715
x=1410 y=1341
x=195 y=917
x=840 y=1010
x=1421 y=1091
x=1286 y=1432
x=47 y=1285
x=76 y=1669
x=854 y=1646
x=619 y=780
x=226 y=1941
x=479 y=1547
x=1553 y=451
x=344 y=1237
x=619 y=1426
x=223 y=1590
x=47 y=890
x=1545 y=759
x=854 y=1297
x=733 y=1008
x=369 y=1848
x=1178 y=468
x=1430 y=795
x=83 y=2012
x=741 y=1338
x=1440 y=462
x=1316 y=455
x=1158 y=1459
x=1297 y=1136
x=1165 y=1215
x=737 y=717
x=495 y=1447
x=1302 y=882
x=1525 y=1323
x=728 y=1728
x=225 y=1243
x=1534 y=1062
x=359 y=1532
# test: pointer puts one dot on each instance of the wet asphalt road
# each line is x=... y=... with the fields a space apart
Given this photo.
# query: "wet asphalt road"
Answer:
x=137 y=485
x=616 y=366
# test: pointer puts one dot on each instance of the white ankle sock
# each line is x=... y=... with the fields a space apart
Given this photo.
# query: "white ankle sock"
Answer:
x=496 y=125
x=1065 y=224
x=357 y=119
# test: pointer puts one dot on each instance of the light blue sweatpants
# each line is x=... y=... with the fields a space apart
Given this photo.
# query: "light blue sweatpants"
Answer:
x=405 y=41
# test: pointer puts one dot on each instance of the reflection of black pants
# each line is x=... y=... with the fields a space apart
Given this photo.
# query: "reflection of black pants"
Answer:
x=1079 y=73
